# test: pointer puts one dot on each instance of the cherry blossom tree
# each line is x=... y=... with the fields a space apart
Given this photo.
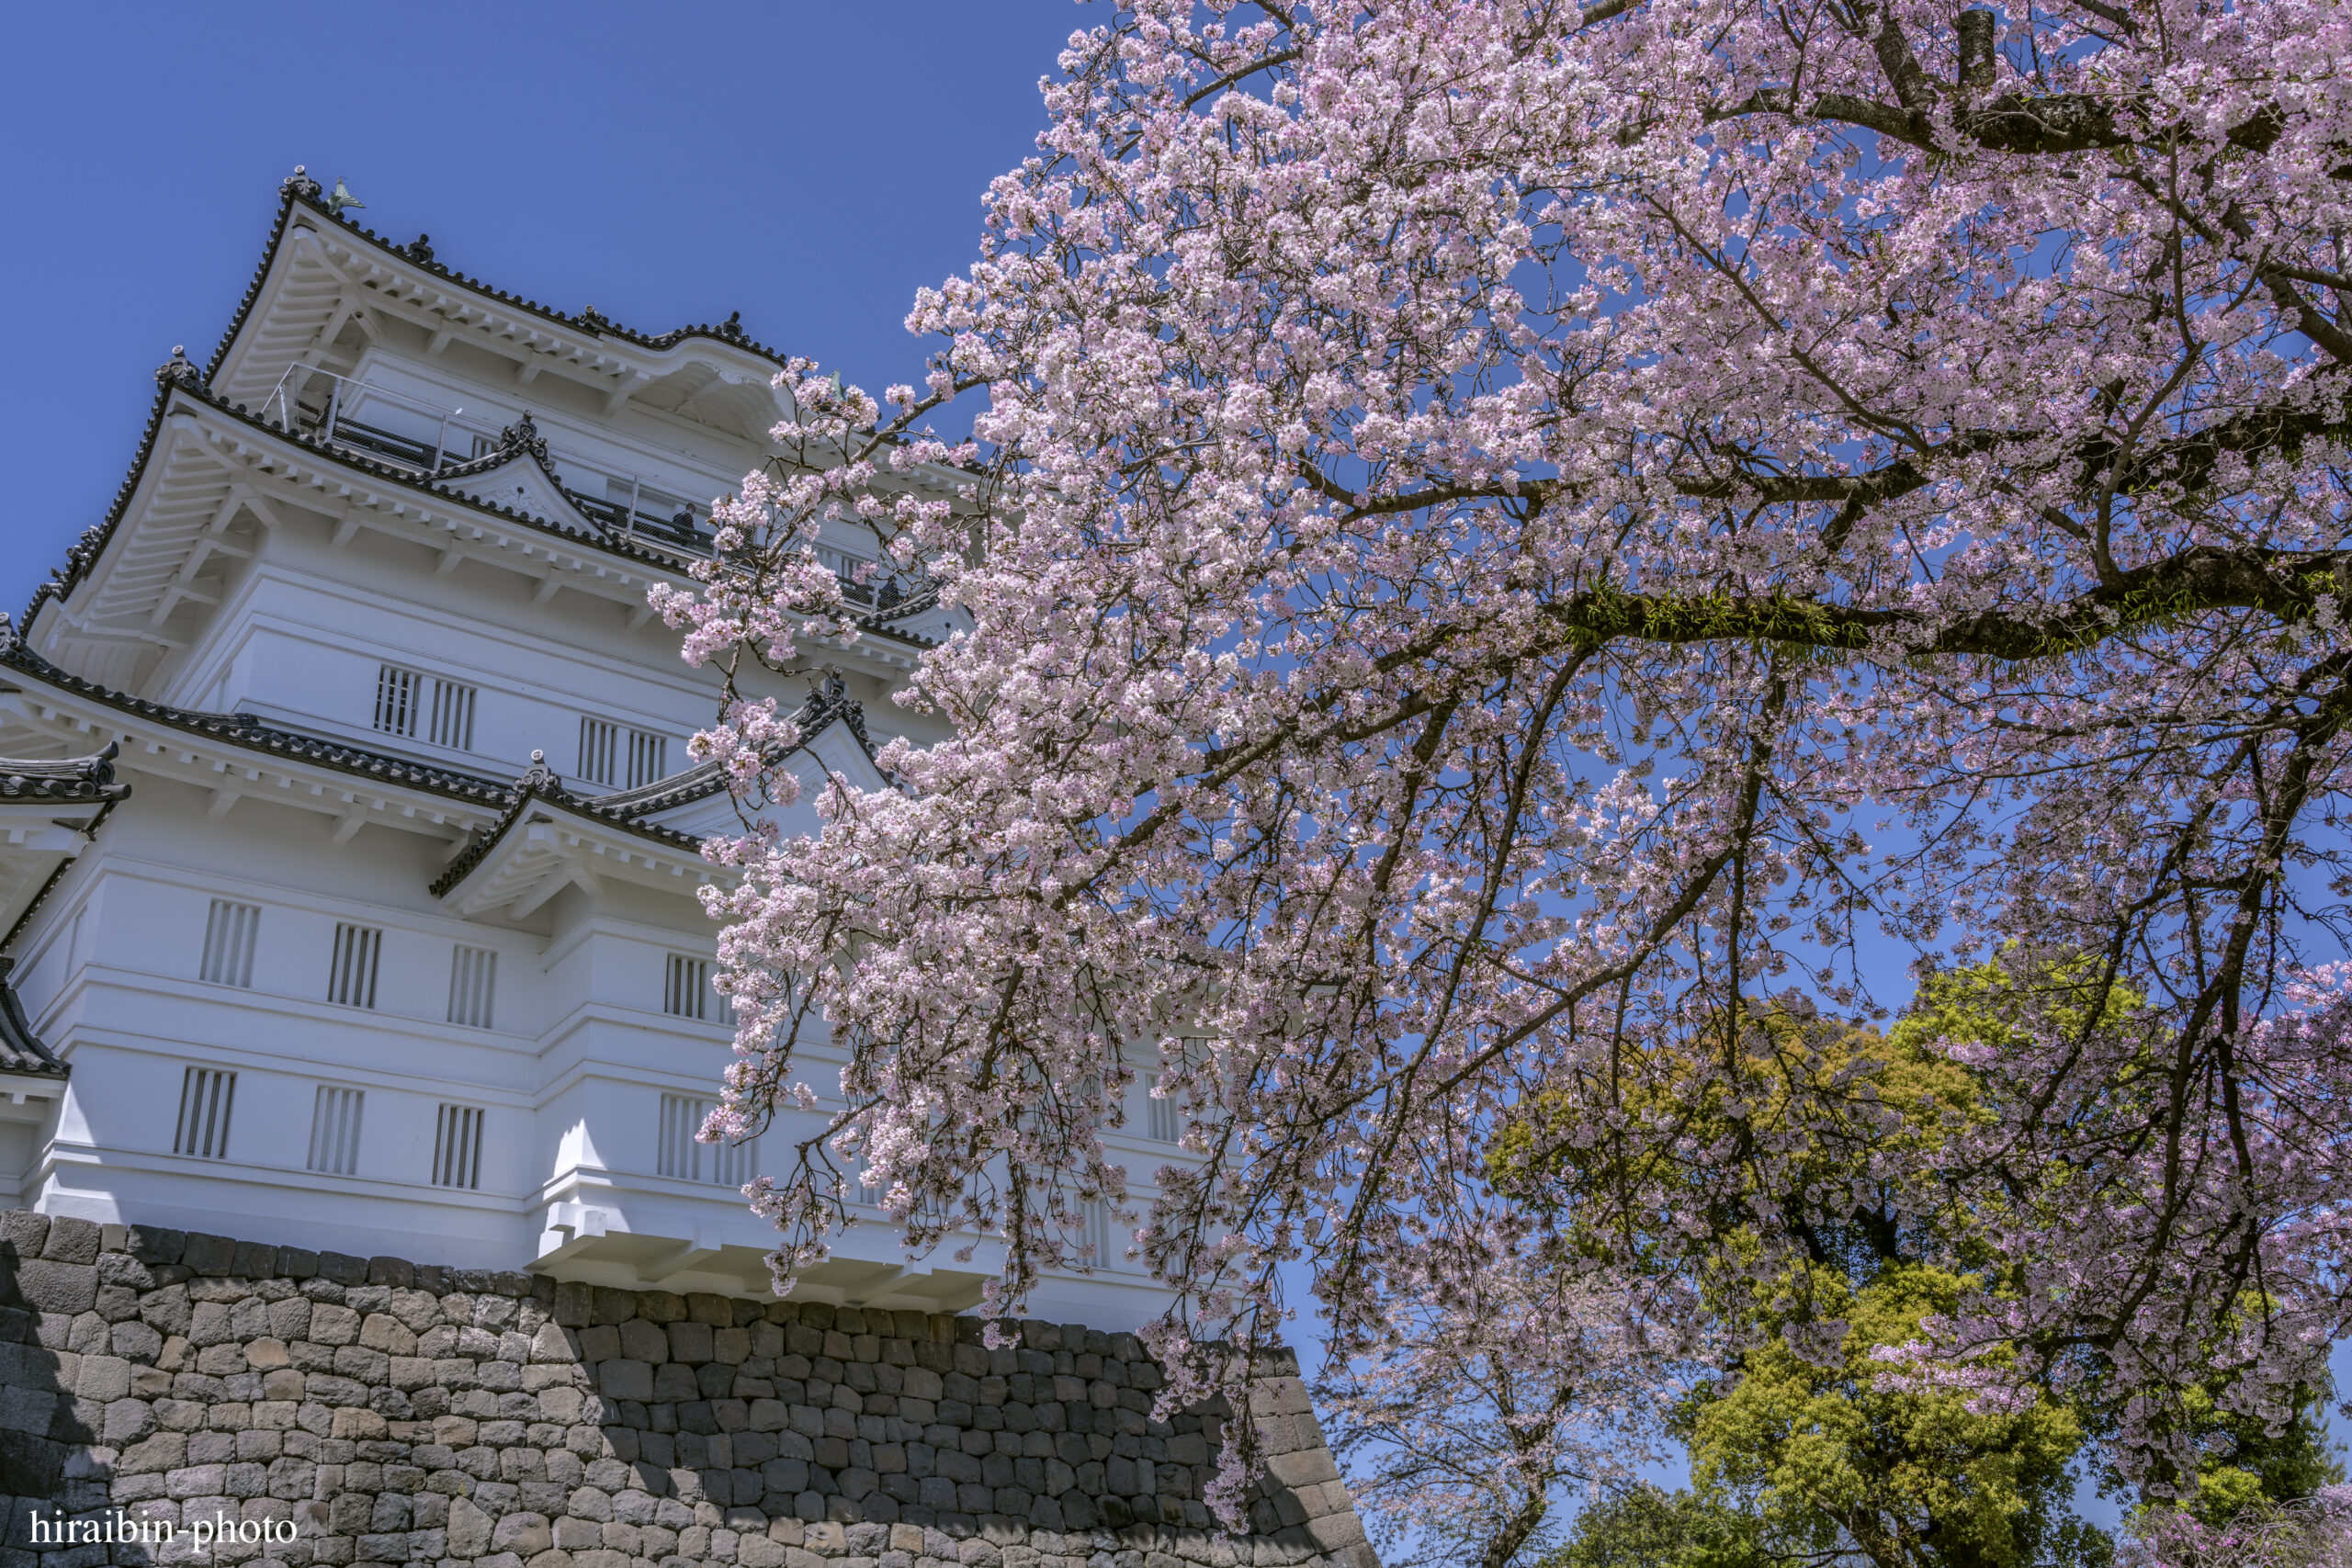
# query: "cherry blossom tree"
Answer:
x=1500 y=530
x=1485 y=1402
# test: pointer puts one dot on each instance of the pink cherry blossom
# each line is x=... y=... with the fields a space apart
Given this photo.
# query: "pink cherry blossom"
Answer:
x=1499 y=532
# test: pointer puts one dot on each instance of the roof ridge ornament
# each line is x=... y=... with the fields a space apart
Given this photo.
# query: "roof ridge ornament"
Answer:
x=180 y=367
x=538 y=778
x=420 y=249
x=732 y=327
x=523 y=435
x=594 y=320
x=22 y=1051
x=831 y=700
x=340 y=199
x=300 y=183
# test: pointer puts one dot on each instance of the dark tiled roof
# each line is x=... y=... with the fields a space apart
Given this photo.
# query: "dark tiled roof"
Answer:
x=628 y=808
x=21 y=1050
x=591 y=321
x=62 y=578
x=93 y=540
x=542 y=787
x=245 y=729
x=297 y=191
x=179 y=373
x=704 y=779
x=65 y=778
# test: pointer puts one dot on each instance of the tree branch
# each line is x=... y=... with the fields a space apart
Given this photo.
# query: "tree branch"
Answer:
x=2285 y=583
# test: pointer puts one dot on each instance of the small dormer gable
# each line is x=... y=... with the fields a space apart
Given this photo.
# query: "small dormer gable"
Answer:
x=516 y=475
x=833 y=754
x=833 y=745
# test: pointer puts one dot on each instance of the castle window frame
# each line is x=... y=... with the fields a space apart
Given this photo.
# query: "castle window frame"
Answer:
x=352 y=971
x=231 y=932
x=208 y=1098
x=456 y=1146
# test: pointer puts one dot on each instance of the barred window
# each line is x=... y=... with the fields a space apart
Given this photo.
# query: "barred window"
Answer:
x=614 y=756
x=334 y=1131
x=409 y=705
x=598 y=742
x=229 y=933
x=648 y=758
x=207 y=1096
x=397 y=691
x=456 y=1146
x=688 y=992
x=681 y=1155
x=1163 y=1115
x=1101 y=1233
x=453 y=716
x=351 y=974
x=473 y=982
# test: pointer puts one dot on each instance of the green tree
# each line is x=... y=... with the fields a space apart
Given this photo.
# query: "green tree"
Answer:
x=2242 y=1464
x=1644 y=1526
x=1831 y=1459
x=1802 y=1434
x=2247 y=1464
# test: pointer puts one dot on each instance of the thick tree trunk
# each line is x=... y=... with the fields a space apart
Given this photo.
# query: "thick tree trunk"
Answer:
x=1505 y=1542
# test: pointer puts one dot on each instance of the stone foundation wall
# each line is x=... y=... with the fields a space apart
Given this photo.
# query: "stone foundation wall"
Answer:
x=383 y=1412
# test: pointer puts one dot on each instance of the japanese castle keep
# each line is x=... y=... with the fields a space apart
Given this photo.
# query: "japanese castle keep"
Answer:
x=348 y=884
x=356 y=1018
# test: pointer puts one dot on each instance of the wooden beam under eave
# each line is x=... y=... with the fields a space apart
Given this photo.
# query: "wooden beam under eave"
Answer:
x=341 y=313
x=629 y=383
x=549 y=882
x=254 y=503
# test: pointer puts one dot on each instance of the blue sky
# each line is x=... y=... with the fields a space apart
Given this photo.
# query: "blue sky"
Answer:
x=809 y=165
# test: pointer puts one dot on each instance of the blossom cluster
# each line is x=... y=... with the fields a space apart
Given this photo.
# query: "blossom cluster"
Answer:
x=1499 y=532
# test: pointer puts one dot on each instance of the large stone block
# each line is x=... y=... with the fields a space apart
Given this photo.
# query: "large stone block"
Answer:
x=625 y=1378
x=70 y=1240
x=525 y=1535
x=48 y=1286
x=690 y=1341
x=468 y=1528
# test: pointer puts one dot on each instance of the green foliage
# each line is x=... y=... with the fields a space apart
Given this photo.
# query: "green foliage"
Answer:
x=1820 y=1462
x=1827 y=1458
x=1793 y=1459
x=2245 y=1462
x=1646 y=1528
x=2246 y=1469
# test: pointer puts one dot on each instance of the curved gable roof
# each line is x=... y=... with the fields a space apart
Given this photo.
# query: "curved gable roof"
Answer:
x=300 y=193
x=630 y=810
x=177 y=378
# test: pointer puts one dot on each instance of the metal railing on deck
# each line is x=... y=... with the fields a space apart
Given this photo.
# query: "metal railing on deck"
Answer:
x=321 y=403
